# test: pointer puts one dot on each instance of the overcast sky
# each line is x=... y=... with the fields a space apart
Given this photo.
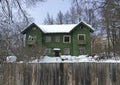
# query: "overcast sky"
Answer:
x=52 y=7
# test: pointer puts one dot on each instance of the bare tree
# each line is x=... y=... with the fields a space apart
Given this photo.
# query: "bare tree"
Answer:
x=49 y=19
x=110 y=13
x=13 y=18
x=67 y=17
x=60 y=18
x=29 y=53
x=73 y=15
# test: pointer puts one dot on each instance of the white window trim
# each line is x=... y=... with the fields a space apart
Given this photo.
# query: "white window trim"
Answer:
x=67 y=36
x=83 y=35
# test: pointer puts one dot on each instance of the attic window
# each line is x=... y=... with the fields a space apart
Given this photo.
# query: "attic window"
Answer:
x=34 y=28
x=81 y=36
x=66 y=38
x=81 y=27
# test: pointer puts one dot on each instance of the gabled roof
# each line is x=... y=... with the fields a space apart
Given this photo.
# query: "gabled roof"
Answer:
x=64 y=28
x=57 y=28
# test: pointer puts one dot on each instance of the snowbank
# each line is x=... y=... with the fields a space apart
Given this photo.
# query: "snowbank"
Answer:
x=11 y=59
x=73 y=59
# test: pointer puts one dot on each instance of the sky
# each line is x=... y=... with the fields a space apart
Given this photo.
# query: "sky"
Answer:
x=39 y=12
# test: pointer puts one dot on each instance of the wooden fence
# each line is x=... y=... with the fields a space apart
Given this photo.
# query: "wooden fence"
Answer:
x=60 y=74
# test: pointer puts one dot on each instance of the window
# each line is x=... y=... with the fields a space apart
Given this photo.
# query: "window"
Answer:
x=66 y=38
x=81 y=26
x=48 y=51
x=34 y=28
x=82 y=50
x=47 y=39
x=81 y=36
x=57 y=39
x=66 y=51
x=32 y=38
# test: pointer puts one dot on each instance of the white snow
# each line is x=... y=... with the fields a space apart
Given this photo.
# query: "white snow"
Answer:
x=64 y=28
x=73 y=59
x=57 y=28
x=56 y=49
x=11 y=58
x=88 y=25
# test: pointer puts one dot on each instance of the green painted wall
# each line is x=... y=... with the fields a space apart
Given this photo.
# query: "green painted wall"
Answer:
x=53 y=44
x=75 y=45
x=34 y=32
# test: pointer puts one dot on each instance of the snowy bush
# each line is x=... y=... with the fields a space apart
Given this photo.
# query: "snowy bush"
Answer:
x=11 y=59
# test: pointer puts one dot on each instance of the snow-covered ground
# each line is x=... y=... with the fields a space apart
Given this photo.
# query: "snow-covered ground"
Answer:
x=72 y=59
x=11 y=59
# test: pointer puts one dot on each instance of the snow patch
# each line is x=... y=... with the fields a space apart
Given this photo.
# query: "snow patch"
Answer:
x=11 y=59
x=56 y=49
x=73 y=59
x=57 y=28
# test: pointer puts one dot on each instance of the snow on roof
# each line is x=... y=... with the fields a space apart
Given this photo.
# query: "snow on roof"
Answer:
x=56 y=49
x=73 y=59
x=87 y=25
x=57 y=28
x=64 y=28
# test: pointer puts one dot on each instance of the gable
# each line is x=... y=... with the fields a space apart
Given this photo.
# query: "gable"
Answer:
x=29 y=27
x=90 y=28
x=58 y=28
x=83 y=25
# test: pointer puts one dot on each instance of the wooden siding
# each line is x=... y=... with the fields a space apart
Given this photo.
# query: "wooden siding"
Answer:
x=60 y=74
x=53 y=44
x=35 y=32
x=75 y=45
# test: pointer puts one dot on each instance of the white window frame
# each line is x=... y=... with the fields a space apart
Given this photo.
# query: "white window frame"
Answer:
x=83 y=35
x=66 y=36
x=47 y=39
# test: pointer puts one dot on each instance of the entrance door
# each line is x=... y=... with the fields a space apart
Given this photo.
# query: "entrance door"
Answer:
x=57 y=53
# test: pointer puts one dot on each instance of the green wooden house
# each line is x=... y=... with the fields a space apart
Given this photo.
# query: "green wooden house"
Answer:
x=70 y=39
